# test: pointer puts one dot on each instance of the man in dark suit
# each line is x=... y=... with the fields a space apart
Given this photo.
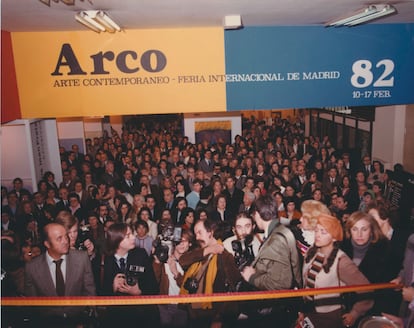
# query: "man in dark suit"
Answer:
x=59 y=272
x=302 y=148
x=366 y=165
x=110 y=176
x=76 y=208
x=247 y=205
x=299 y=179
x=127 y=184
x=38 y=213
x=128 y=272
x=207 y=163
x=79 y=157
x=63 y=204
x=152 y=204
x=18 y=188
x=331 y=181
x=7 y=223
x=79 y=189
x=234 y=196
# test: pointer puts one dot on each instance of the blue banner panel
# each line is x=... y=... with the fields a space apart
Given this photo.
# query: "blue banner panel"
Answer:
x=313 y=66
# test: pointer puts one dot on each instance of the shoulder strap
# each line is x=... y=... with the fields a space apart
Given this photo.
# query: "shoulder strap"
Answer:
x=294 y=260
x=203 y=268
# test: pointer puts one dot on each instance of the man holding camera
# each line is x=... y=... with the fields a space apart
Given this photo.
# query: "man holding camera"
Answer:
x=211 y=270
x=244 y=243
x=169 y=275
x=276 y=266
x=128 y=272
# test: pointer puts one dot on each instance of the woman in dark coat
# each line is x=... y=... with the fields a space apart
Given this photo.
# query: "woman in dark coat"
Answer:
x=369 y=249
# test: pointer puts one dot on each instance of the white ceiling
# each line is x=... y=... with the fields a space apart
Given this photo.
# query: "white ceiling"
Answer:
x=32 y=15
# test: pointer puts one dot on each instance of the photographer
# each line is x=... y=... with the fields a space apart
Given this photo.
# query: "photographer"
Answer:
x=245 y=244
x=128 y=271
x=211 y=270
x=169 y=275
x=78 y=238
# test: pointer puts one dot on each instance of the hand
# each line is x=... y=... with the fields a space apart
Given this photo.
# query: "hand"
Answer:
x=216 y=324
x=156 y=259
x=247 y=272
x=214 y=249
x=90 y=247
x=396 y=281
x=130 y=290
x=119 y=280
x=300 y=319
x=172 y=263
x=398 y=321
x=348 y=320
x=408 y=293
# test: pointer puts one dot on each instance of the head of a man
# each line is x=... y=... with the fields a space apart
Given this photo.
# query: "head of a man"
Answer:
x=128 y=174
x=197 y=185
x=93 y=220
x=56 y=240
x=248 y=198
x=265 y=211
x=243 y=226
x=168 y=195
x=151 y=201
x=204 y=233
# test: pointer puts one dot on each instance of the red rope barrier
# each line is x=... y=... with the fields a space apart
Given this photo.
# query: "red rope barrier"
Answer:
x=195 y=298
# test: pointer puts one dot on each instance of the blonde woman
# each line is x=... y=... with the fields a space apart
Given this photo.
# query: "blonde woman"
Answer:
x=305 y=231
x=327 y=266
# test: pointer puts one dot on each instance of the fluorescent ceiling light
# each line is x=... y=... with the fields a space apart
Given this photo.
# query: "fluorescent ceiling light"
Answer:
x=364 y=15
x=97 y=21
x=381 y=12
x=66 y=2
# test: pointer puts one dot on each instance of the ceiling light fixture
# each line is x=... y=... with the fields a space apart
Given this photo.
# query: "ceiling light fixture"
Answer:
x=66 y=2
x=97 y=20
x=364 y=15
x=232 y=22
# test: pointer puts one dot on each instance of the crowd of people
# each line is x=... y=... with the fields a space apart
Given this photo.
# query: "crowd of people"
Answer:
x=146 y=212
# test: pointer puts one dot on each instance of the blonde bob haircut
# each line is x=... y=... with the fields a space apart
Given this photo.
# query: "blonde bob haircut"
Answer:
x=311 y=209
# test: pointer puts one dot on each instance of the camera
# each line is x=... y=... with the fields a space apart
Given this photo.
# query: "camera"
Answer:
x=163 y=244
x=82 y=237
x=132 y=274
x=191 y=285
x=243 y=252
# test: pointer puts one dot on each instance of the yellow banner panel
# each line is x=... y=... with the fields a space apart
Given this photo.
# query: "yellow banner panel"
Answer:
x=67 y=74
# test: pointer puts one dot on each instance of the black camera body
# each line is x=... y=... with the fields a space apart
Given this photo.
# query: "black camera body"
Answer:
x=191 y=285
x=243 y=252
x=161 y=250
x=163 y=244
x=83 y=235
x=132 y=274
